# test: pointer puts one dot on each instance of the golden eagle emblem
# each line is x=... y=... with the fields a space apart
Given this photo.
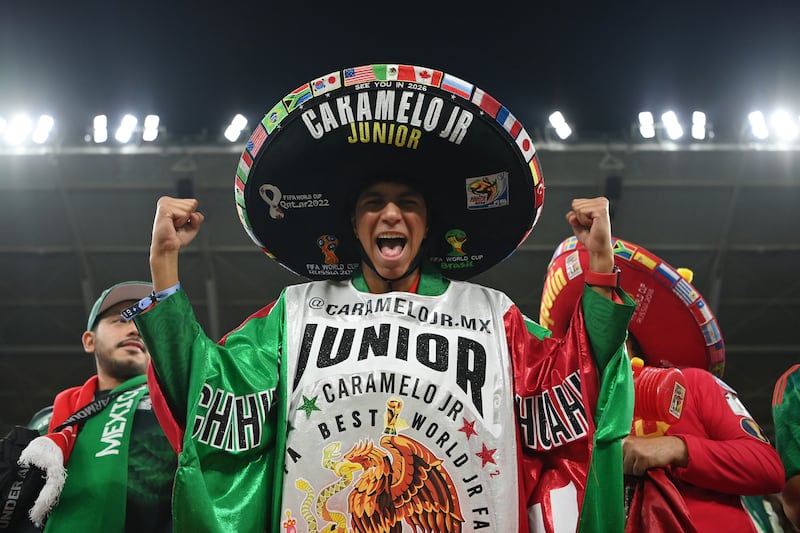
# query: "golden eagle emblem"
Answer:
x=401 y=480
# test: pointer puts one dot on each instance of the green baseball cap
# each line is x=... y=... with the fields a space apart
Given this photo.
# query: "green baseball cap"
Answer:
x=127 y=290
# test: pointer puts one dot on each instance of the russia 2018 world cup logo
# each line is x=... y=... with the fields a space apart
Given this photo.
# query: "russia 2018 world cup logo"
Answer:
x=327 y=244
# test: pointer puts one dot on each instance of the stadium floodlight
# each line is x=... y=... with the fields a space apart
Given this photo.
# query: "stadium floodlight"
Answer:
x=671 y=124
x=560 y=125
x=234 y=129
x=647 y=127
x=758 y=126
x=784 y=125
x=100 y=133
x=43 y=129
x=239 y=121
x=18 y=129
x=125 y=130
x=232 y=134
x=698 y=125
x=150 y=132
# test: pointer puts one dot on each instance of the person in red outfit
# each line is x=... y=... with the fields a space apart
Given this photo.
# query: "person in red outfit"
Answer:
x=698 y=467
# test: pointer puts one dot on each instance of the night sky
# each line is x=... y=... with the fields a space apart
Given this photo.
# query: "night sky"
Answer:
x=600 y=63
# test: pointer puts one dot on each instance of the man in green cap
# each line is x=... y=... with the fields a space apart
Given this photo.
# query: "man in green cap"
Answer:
x=118 y=464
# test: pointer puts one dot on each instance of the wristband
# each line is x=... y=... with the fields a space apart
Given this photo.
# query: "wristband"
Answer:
x=149 y=301
x=608 y=279
x=169 y=291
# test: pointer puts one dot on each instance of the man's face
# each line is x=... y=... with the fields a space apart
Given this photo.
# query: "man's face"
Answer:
x=391 y=222
x=118 y=349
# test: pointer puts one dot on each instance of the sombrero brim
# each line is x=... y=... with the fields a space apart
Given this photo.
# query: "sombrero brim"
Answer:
x=672 y=323
x=316 y=147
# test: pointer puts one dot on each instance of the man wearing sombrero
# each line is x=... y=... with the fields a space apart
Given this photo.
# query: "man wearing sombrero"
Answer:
x=388 y=394
x=689 y=470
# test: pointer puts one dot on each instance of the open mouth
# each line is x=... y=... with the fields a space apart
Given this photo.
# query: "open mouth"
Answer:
x=391 y=244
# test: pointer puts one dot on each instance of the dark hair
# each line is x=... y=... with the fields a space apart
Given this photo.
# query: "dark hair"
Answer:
x=360 y=185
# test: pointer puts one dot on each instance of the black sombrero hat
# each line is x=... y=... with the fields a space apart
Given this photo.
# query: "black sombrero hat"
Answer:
x=672 y=323
x=319 y=144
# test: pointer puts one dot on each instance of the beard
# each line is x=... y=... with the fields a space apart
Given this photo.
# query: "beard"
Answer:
x=121 y=369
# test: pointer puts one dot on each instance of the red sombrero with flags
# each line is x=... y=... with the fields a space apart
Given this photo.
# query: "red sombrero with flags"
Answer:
x=672 y=323
x=317 y=146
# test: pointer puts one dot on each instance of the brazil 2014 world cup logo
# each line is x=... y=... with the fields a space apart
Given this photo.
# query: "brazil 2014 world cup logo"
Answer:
x=456 y=239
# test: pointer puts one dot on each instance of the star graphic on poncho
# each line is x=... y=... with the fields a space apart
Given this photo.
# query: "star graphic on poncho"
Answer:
x=468 y=429
x=309 y=406
x=486 y=455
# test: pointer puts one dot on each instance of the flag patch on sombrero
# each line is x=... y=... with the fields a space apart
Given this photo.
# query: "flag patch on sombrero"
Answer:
x=319 y=144
x=326 y=84
x=297 y=97
x=255 y=141
x=672 y=322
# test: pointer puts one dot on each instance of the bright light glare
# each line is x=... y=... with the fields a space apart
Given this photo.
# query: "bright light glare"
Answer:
x=758 y=125
x=698 y=125
x=784 y=125
x=43 y=129
x=18 y=129
x=235 y=128
x=123 y=135
x=670 y=121
x=151 y=122
x=646 y=125
x=150 y=128
x=239 y=121
x=563 y=131
x=100 y=124
x=232 y=133
x=2 y=124
x=129 y=122
x=556 y=119
x=560 y=124
x=699 y=118
x=125 y=130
